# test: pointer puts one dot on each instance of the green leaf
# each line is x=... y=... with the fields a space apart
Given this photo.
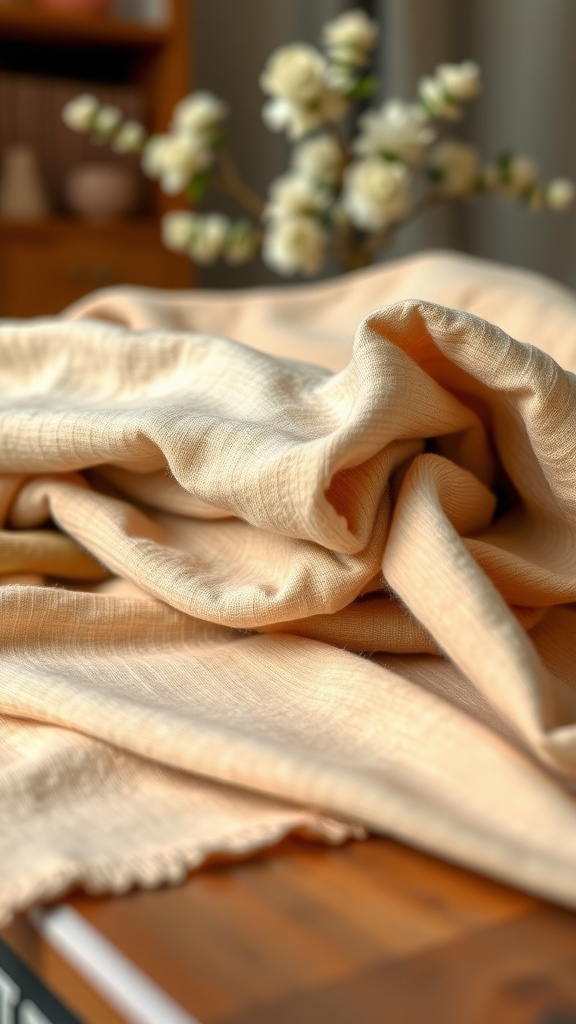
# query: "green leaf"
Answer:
x=364 y=89
x=503 y=161
x=198 y=186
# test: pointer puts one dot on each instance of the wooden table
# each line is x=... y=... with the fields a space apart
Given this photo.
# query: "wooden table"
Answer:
x=367 y=933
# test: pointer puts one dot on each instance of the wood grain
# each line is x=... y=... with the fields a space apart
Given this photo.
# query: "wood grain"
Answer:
x=367 y=933
x=46 y=265
x=242 y=939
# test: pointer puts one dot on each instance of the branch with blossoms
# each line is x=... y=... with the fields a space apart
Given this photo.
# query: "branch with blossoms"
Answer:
x=346 y=192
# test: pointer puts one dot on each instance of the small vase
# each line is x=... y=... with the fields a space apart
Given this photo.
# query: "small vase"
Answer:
x=22 y=192
x=101 y=191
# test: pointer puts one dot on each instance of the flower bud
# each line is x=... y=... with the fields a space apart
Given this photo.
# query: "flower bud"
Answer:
x=559 y=194
x=79 y=113
x=460 y=81
x=129 y=138
x=106 y=120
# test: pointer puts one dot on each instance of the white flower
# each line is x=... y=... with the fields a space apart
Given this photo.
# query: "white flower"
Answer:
x=241 y=243
x=198 y=112
x=298 y=119
x=514 y=177
x=457 y=165
x=319 y=158
x=153 y=156
x=397 y=129
x=460 y=81
x=106 y=120
x=293 y=118
x=436 y=100
x=559 y=194
x=294 y=193
x=450 y=85
x=294 y=244
x=295 y=72
x=129 y=138
x=174 y=159
x=209 y=237
x=278 y=115
x=350 y=37
x=522 y=172
x=79 y=113
x=341 y=78
x=376 y=193
x=177 y=229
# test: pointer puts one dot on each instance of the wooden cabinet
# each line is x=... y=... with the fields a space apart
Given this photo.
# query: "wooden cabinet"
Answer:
x=45 y=265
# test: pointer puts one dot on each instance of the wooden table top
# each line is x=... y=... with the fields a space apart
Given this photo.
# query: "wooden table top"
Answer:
x=367 y=933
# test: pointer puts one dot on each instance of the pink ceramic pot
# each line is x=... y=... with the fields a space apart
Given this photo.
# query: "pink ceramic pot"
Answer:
x=75 y=6
x=101 y=191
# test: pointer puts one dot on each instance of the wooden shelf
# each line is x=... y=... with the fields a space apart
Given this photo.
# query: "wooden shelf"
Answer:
x=47 y=264
x=132 y=226
x=27 y=23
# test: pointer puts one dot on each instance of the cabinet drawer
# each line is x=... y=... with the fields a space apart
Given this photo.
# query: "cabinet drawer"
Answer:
x=43 y=272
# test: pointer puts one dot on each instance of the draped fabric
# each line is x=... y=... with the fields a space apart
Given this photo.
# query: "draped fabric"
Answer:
x=295 y=560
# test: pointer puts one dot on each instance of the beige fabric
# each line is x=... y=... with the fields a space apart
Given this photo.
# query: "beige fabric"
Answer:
x=200 y=538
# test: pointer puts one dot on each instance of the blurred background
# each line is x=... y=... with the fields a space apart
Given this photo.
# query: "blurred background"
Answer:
x=143 y=55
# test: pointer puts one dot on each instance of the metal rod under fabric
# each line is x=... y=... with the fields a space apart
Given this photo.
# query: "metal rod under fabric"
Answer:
x=125 y=987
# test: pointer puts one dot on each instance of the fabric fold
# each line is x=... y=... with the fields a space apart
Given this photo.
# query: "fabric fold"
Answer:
x=274 y=594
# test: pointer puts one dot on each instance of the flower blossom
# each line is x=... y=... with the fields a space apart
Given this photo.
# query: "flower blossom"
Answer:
x=295 y=244
x=559 y=194
x=298 y=120
x=129 y=138
x=79 y=113
x=294 y=193
x=106 y=120
x=174 y=160
x=350 y=37
x=436 y=101
x=319 y=159
x=376 y=193
x=397 y=130
x=295 y=73
x=297 y=79
x=177 y=229
x=208 y=238
x=456 y=165
x=341 y=78
x=199 y=112
x=460 y=81
x=451 y=84
x=514 y=176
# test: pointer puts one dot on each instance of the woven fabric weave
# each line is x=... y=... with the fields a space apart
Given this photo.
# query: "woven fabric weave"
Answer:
x=290 y=560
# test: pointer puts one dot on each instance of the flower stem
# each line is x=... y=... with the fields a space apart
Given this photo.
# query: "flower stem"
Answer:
x=230 y=181
x=374 y=243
